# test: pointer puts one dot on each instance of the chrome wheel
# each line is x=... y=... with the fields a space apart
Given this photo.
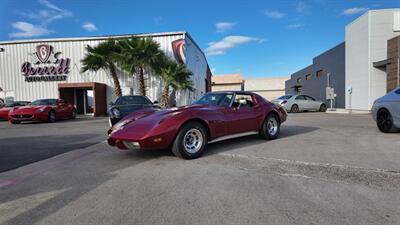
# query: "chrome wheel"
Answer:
x=193 y=140
x=272 y=126
x=52 y=117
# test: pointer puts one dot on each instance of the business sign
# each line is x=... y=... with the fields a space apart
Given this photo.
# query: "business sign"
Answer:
x=47 y=65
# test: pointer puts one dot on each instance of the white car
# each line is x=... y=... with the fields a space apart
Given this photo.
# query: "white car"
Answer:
x=386 y=111
x=299 y=103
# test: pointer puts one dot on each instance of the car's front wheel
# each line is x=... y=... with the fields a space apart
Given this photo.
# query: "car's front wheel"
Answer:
x=294 y=109
x=190 y=141
x=271 y=127
x=384 y=121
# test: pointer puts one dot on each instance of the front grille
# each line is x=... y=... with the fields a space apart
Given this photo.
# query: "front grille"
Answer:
x=22 y=116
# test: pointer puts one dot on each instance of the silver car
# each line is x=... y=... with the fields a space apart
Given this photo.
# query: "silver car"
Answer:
x=299 y=103
x=386 y=111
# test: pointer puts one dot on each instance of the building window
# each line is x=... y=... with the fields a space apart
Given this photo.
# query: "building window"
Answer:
x=299 y=80
x=319 y=73
x=308 y=76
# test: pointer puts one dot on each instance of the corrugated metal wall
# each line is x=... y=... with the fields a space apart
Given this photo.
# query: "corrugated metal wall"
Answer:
x=15 y=54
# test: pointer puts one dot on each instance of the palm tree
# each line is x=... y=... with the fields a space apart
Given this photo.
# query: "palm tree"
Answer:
x=102 y=57
x=176 y=76
x=138 y=55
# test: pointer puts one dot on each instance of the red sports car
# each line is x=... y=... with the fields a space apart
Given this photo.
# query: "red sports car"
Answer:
x=187 y=129
x=44 y=110
x=9 y=106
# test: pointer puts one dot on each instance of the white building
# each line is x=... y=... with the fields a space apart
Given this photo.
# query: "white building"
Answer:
x=50 y=68
x=270 y=87
x=366 y=43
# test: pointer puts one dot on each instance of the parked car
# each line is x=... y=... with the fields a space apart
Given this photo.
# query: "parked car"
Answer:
x=216 y=116
x=9 y=106
x=44 y=110
x=124 y=105
x=300 y=103
x=386 y=111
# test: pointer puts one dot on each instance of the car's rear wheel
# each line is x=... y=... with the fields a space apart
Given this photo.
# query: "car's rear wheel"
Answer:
x=73 y=115
x=15 y=122
x=51 y=117
x=294 y=109
x=271 y=127
x=190 y=141
x=384 y=121
x=322 y=108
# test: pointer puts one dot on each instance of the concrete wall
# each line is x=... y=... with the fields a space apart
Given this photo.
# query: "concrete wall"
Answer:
x=270 y=88
x=332 y=62
x=227 y=87
x=366 y=42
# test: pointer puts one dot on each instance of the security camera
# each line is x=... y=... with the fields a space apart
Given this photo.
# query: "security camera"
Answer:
x=1 y=49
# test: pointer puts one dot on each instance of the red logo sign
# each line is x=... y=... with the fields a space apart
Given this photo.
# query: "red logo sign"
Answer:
x=178 y=47
x=43 y=52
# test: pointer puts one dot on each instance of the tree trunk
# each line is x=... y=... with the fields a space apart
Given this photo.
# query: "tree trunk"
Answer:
x=165 y=97
x=142 y=87
x=117 y=86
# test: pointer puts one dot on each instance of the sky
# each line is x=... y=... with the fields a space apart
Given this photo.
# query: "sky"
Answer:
x=256 y=38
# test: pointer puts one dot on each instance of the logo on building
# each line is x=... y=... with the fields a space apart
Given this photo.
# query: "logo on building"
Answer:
x=178 y=47
x=46 y=65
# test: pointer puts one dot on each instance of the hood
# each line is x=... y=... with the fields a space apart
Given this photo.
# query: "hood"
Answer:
x=143 y=121
x=29 y=109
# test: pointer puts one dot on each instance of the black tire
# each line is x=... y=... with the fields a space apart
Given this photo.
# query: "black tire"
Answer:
x=51 y=118
x=266 y=131
x=15 y=122
x=178 y=147
x=322 y=108
x=294 y=108
x=384 y=121
x=73 y=116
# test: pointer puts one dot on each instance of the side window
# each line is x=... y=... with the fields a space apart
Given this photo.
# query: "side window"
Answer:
x=226 y=101
x=243 y=101
x=300 y=97
x=310 y=98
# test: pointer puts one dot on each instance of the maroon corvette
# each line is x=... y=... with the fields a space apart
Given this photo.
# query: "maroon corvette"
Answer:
x=43 y=110
x=187 y=129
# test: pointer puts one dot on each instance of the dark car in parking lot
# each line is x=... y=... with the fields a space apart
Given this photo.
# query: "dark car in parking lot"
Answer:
x=124 y=105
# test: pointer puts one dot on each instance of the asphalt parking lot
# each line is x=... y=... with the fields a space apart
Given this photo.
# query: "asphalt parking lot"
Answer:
x=324 y=169
x=21 y=144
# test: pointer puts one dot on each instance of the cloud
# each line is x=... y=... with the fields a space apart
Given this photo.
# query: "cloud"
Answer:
x=43 y=17
x=228 y=42
x=89 y=26
x=301 y=7
x=296 y=25
x=274 y=14
x=222 y=27
x=28 y=30
x=353 y=11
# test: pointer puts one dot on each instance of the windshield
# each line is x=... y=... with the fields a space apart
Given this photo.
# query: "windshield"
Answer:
x=133 y=100
x=223 y=99
x=45 y=102
x=285 y=97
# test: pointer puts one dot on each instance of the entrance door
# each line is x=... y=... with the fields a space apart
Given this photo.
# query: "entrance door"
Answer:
x=89 y=102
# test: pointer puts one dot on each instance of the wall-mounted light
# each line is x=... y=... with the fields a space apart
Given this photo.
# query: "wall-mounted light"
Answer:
x=2 y=50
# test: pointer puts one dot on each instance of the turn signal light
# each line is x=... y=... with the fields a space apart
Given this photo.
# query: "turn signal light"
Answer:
x=156 y=140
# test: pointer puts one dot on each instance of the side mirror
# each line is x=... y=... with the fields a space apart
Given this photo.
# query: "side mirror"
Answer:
x=111 y=103
x=155 y=102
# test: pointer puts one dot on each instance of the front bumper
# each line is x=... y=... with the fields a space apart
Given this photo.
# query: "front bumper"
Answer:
x=28 y=117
